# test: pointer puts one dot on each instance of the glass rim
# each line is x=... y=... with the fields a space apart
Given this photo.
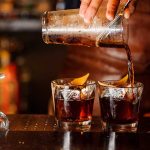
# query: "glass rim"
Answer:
x=137 y=84
x=88 y=82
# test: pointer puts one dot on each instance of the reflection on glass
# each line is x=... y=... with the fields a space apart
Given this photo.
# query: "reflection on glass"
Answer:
x=4 y=123
x=66 y=142
x=112 y=141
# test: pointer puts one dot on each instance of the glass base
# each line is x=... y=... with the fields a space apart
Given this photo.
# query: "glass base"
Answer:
x=4 y=122
x=75 y=126
x=131 y=127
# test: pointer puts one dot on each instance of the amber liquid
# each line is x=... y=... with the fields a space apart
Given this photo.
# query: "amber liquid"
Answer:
x=130 y=65
x=68 y=40
x=118 y=111
x=129 y=58
x=74 y=110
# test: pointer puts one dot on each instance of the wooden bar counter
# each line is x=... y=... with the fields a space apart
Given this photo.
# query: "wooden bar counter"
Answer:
x=38 y=132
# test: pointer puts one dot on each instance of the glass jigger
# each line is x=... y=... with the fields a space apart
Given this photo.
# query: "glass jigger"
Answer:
x=68 y=27
x=73 y=105
x=120 y=106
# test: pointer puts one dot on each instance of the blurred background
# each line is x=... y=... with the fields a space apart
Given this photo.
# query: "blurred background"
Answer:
x=30 y=65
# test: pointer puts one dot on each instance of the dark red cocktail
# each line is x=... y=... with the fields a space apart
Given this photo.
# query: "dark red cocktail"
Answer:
x=73 y=104
x=120 y=107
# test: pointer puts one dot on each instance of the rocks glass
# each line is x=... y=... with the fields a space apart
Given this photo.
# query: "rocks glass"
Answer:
x=73 y=105
x=120 y=106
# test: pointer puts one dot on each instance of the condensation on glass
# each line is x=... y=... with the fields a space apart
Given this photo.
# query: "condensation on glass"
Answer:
x=68 y=27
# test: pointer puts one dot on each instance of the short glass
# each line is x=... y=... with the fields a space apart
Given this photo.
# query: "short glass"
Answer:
x=120 y=107
x=73 y=105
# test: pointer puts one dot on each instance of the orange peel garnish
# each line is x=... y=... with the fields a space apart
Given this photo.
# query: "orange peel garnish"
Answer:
x=105 y=84
x=80 y=80
x=120 y=82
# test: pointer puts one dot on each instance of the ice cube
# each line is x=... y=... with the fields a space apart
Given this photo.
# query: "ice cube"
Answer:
x=70 y=94
x=113 y=92
x=86 y=92
x=117 y=92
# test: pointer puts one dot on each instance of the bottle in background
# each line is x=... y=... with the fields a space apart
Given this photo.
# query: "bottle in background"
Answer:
x=9 y=86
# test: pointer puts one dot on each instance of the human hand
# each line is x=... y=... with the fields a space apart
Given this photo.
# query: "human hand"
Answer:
x=89 y=8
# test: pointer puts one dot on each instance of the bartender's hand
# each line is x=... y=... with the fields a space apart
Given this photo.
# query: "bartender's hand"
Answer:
x=89 y=8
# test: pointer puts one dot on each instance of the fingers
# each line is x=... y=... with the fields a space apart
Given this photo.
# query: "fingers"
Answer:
x=127 y=13
x=130 y=9
x=112 y=7
x=132 y=6
x=89 y=10
x=83 y=7
x=92 y=10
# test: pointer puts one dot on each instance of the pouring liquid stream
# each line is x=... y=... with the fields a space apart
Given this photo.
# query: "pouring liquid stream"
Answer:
x=129 y=59
x=67 y=28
